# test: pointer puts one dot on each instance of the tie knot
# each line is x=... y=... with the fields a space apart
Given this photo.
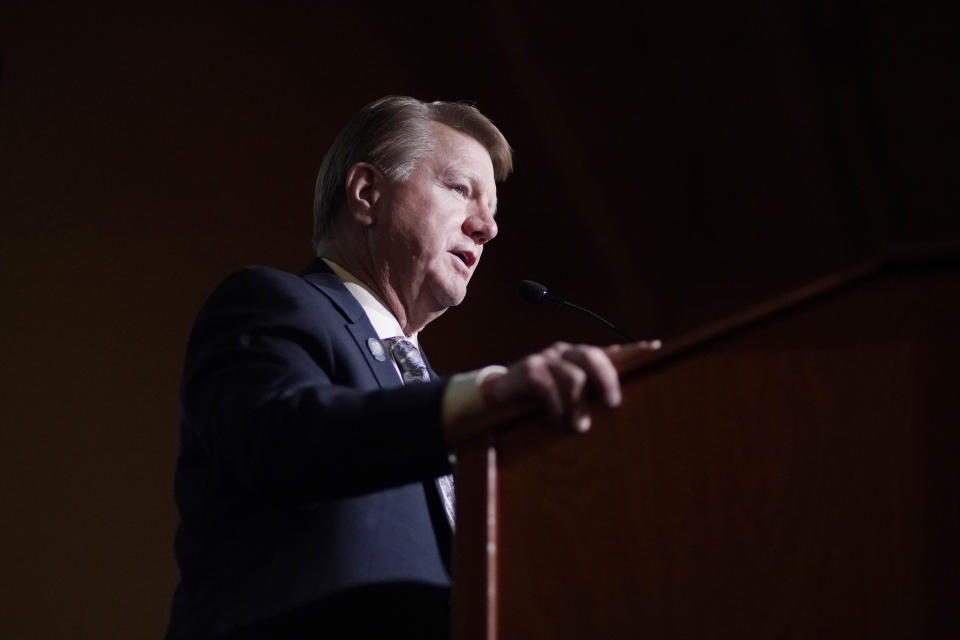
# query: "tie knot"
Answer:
x=408 y=358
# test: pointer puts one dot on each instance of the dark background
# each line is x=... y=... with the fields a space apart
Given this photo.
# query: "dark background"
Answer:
x=676 y=162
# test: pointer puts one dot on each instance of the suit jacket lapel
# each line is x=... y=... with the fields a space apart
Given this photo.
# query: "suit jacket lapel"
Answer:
x=357 y=325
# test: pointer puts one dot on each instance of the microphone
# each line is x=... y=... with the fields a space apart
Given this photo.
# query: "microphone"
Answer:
x=536 y=293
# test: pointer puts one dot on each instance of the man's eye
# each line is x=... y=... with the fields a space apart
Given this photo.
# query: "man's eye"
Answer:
x=459 y=188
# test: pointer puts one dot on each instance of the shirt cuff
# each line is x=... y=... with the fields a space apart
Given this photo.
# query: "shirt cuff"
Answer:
x=462 y=397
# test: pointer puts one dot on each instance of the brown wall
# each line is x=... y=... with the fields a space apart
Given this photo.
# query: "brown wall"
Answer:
x=675 y=163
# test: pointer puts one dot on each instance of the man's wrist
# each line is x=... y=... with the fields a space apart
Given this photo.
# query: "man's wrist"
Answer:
x=465 y=394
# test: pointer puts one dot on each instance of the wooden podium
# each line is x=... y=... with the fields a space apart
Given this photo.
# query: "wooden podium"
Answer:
x=790 y=473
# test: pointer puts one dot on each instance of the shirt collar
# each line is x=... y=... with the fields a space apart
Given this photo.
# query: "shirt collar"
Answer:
x=384 y=322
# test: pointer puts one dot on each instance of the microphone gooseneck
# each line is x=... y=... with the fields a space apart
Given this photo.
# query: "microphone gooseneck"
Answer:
x=536 y=293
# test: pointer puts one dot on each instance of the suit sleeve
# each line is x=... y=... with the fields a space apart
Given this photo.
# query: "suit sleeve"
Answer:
x=269 y=399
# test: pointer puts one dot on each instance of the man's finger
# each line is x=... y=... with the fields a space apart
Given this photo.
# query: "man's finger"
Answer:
x=569 y=379
x=621 y=354
x=570 y=383
x=536 y=377
x=599 y=370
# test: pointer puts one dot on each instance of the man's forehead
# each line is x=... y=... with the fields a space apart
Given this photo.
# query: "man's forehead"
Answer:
x=459 y=167
x=448 y=140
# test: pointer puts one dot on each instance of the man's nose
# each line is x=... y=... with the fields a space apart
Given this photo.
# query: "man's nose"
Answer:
x=480 y=225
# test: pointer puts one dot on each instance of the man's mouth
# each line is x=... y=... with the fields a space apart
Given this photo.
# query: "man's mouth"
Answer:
x=466 y=257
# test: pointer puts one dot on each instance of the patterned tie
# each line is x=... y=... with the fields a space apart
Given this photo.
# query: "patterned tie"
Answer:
x=408 y=358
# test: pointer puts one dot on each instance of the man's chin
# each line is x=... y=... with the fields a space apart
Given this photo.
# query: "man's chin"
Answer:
x=449 y=296
x=452 y=301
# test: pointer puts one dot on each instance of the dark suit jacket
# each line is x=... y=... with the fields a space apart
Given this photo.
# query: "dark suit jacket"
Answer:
x=305 y=466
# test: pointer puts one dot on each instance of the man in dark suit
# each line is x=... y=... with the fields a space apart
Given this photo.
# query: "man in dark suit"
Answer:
x=311 y=480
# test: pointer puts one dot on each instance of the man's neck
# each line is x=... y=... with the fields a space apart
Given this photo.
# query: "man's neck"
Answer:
x=383 y=321
x=377 y=281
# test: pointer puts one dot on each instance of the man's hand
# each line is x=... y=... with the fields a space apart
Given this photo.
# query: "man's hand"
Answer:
x=560 y=378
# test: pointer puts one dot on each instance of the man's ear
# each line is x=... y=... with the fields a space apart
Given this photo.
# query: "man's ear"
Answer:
x=364 y=187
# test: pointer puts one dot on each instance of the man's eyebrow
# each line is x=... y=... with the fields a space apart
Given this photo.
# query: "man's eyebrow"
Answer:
x=450 y=171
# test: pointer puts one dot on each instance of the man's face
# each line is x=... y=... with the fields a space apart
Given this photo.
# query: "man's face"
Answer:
x=434 y=224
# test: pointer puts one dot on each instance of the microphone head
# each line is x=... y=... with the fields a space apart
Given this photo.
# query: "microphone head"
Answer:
x=532 y=291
